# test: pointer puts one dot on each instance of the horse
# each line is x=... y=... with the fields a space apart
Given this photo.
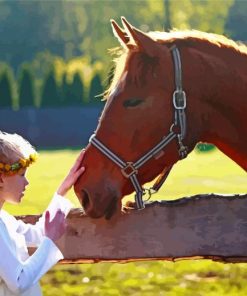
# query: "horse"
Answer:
x=170 y=90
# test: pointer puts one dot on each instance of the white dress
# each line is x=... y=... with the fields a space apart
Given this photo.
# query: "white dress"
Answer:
x=19 y=272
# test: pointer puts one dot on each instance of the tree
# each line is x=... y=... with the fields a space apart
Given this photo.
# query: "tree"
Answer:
x=76 y=91
x=75 y=28
x=64 y=90
x=167 y=23
x=72 y=94
x=26 y=87
x=236 y=24
x=96 y=90
x=204 y=15
x=49 y=94
x=6 y=89
x=55 y=23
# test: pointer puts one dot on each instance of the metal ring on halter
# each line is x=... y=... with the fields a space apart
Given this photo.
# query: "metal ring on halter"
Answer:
x=129 y=170
x=150 y=192
x=171 y=128
x=175 y=129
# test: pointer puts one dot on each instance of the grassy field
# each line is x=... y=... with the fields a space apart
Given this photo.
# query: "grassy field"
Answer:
x=199 y=173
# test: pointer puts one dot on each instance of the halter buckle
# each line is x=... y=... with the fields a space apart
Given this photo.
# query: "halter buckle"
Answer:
x=129 y=170
x=179 y=99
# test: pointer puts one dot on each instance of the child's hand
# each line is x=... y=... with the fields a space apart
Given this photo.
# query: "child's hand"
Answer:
x=55 y=229
x=73 y=175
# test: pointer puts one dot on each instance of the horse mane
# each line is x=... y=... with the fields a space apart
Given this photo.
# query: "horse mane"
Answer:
x=198 y=38
x=188 y=38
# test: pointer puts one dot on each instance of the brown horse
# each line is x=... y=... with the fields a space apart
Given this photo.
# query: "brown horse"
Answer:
x=140 y=110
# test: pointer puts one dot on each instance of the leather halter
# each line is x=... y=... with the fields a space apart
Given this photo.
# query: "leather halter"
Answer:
x=177 y=130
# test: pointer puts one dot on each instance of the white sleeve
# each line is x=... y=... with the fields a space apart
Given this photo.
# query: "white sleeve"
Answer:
x=34 y=233
x=19 y=275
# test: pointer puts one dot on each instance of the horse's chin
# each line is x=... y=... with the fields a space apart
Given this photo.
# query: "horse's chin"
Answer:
x=87 y=204
x=112 y=208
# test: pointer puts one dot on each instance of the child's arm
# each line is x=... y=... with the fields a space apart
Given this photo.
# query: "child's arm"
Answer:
x=19 y=275
x=34 y=233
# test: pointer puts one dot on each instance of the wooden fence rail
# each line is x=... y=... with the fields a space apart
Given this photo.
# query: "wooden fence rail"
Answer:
x=203 y=226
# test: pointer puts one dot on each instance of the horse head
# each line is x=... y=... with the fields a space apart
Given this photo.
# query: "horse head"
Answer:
x=139 y=113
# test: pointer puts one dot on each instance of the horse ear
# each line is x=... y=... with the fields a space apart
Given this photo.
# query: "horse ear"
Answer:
x=120 y=34
x=143 y=41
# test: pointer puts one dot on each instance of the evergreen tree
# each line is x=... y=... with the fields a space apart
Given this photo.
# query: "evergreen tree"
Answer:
x=26 y=88
x=64 y=90
x=236 y=24
x=6 y=89
x=72 y=94
x=167 y=22
x=76 y=91
x=49 y=93
x=96 y=91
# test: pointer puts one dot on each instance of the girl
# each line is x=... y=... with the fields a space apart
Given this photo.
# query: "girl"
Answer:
x=19 y=272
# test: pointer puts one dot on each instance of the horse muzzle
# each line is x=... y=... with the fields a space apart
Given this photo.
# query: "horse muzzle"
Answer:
x=102 y=207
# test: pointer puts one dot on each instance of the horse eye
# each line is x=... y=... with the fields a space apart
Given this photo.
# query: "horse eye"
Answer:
x=132 y=102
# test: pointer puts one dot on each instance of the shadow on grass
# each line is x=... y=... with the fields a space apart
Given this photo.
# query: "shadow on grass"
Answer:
x=61 y=148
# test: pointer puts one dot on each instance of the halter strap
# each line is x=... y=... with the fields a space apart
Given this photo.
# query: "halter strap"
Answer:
x=130 y=169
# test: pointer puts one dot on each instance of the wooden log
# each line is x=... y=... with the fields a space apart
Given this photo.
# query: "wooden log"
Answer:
x=203 y=226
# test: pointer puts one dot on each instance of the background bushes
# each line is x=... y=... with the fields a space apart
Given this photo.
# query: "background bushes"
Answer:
x=26 y=90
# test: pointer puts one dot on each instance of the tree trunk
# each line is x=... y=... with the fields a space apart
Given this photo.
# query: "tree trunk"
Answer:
x=203 y=226
x=167 y=22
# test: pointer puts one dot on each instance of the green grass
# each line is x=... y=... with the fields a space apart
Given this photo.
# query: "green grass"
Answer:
x=199 y=173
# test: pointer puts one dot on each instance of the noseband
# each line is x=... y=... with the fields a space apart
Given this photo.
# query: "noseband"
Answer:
x=177 y=131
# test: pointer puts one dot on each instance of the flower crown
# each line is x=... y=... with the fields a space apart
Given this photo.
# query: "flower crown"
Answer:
x=11 y=169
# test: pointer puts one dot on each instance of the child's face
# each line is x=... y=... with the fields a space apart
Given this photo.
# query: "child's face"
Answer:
x=13 y=187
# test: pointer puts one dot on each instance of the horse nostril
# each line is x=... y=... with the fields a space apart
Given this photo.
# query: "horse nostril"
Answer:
x=84 y=199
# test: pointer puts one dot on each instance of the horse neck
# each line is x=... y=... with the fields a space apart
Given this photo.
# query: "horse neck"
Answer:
x=217 y=88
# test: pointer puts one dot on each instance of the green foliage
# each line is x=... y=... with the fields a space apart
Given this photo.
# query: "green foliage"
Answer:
x=73 y=28
x=26 y=87
x=76 y=91
x=67 y=31
x=96 y=90
x=72 y=94
x=42 y=63
x=204 y=147
x=64 y=90
x=6 y=88
x=167 y=6
x=204 y=15
x=50 y=94
x=56 y=27
x=236 y=24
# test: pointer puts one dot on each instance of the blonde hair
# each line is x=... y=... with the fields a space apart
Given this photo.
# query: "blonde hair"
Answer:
x=14 y=147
